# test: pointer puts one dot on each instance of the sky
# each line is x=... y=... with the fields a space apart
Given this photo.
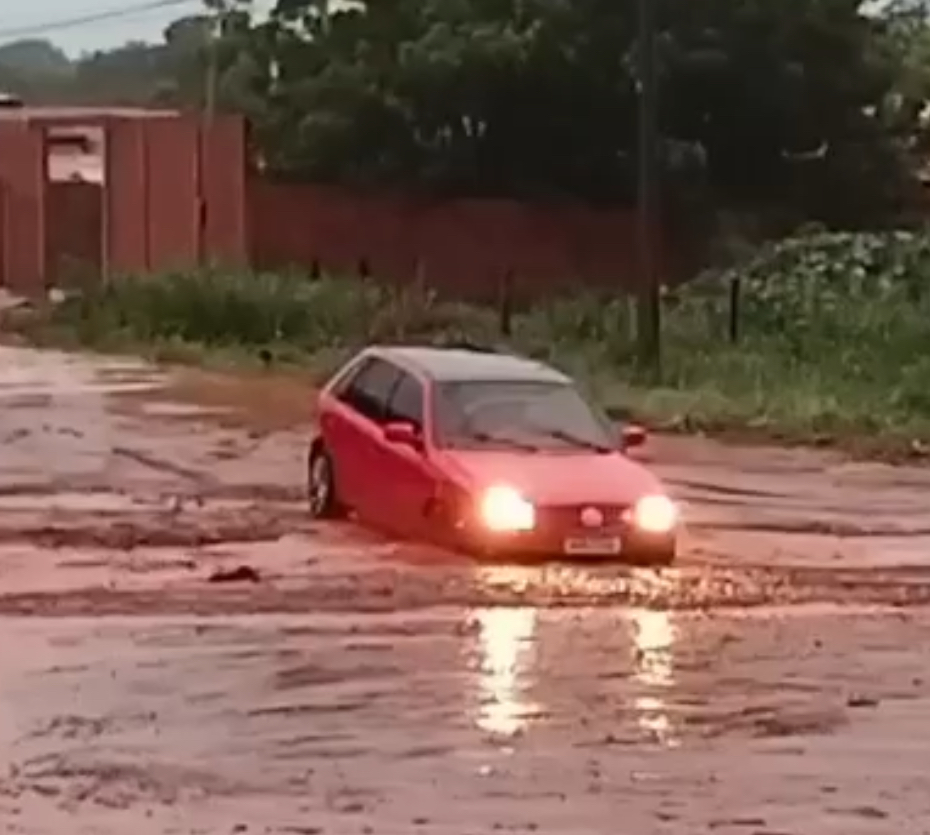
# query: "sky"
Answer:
x=48 y=19
x=39 y=19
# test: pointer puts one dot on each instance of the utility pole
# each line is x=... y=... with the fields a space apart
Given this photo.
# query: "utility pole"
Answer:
x=212 y=76
x=649 y=306
x=325 y=16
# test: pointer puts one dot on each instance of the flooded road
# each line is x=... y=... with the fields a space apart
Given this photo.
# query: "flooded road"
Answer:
x=499 y=719
x=185 y=652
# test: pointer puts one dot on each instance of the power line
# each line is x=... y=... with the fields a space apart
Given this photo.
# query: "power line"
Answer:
x=88 y=19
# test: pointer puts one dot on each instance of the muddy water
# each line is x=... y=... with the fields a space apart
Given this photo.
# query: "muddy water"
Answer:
x=468 y=721
x=773 y=682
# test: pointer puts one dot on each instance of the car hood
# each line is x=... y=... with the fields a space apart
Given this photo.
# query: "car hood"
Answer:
x=557 y=478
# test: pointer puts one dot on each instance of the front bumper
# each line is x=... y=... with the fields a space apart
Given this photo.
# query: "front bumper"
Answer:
x=549 y=542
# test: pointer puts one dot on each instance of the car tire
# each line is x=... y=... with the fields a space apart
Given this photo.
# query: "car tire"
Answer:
x=322 y=495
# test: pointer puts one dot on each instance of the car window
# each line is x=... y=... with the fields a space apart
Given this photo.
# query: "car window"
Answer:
x=369 y=391
x=340 y=382
x=407 y=401
x=536 y=415
x=343 y=378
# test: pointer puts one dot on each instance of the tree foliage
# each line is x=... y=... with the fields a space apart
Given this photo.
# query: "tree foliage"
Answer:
x=811 y=109
x=762 y=102
x=137 y=73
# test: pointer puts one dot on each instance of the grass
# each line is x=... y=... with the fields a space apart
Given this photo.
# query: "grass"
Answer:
x=835 y=353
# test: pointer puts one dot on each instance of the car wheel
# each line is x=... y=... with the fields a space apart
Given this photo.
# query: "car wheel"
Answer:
x=321 y=485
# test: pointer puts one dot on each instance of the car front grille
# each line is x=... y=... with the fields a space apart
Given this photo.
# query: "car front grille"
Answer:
x=568 y=517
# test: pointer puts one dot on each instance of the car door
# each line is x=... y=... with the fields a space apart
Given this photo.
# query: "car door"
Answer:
x=354 y=433
x=412 y=479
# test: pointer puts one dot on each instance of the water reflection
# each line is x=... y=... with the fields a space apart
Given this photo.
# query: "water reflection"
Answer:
x=506 y=655
x=654 y=635
x=507 y=645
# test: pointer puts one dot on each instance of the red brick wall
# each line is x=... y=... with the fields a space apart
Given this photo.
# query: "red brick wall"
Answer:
x=4 y=235
x=177 y=194
x=222 y=173
x=23 y=176
x=125 y=199
x=462 y=248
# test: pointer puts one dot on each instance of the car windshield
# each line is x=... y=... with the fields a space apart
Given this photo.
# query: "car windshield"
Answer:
x=531 y=415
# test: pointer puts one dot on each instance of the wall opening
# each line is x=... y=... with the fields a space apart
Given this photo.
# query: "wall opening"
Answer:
x=74 y=205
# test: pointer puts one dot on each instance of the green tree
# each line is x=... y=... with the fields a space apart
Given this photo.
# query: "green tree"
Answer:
x=171 y=72
x=32 y=68
x=34 y=57
x=786 y=102
x=772 y=103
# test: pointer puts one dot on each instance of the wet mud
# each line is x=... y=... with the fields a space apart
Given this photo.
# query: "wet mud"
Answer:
x=514 y=719
x=185 y=651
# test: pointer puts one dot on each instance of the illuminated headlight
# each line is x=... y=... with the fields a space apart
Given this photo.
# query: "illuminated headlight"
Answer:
x=655 y=514
x=502 y=509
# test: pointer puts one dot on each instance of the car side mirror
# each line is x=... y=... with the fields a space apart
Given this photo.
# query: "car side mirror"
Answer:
x=632 y=436
x=404 y=434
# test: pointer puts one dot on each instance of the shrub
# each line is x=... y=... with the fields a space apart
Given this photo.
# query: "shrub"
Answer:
x=222 y=309
x=835 y=331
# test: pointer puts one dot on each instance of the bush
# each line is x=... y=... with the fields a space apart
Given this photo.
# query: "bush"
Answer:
x=835 y=332
x=219 y=309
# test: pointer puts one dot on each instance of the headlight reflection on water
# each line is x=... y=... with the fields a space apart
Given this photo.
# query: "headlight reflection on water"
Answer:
x=507 y=647
x=506 y=653
x=546 y=584
x=654 y=635
x=506 y=638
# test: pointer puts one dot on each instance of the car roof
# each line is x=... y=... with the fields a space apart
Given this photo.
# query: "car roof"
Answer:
x=448 y=365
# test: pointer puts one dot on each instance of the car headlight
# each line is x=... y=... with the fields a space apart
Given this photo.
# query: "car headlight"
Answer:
x=503 y=509
x=655 y=514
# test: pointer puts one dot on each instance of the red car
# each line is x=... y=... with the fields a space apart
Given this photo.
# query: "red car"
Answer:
x=487 y=452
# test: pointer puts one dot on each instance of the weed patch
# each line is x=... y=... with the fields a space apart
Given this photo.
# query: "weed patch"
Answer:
x=833 y=338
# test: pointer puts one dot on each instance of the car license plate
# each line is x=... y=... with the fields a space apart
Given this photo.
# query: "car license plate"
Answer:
x=589 y=545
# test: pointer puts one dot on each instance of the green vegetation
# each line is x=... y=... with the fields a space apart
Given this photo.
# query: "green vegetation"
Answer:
x=833 y=345
x=540 y=98
x=167 y=74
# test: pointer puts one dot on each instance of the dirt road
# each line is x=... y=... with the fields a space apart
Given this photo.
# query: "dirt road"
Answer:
x=185 y=652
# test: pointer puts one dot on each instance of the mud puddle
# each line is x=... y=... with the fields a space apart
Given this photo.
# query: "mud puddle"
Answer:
x=198 y=656
x=332 y=572
x=476 y=720
x=132 y=466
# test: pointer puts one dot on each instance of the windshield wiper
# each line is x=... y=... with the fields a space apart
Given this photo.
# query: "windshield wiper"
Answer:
x=574 y=440
x=493 y=438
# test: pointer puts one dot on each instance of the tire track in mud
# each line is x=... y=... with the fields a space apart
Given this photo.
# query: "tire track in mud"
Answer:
x=170 y=527
x=163 y=465
x=835 y=529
